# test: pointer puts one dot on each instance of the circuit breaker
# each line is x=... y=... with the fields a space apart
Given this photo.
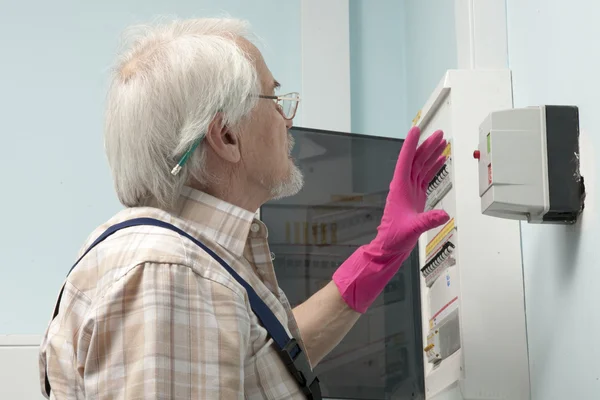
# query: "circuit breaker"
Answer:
x=439 y=270
x=444 y=340
x=528 y=164
x=441 y=183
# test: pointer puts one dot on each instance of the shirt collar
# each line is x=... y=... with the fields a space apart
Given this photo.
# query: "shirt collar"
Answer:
x=219 y=221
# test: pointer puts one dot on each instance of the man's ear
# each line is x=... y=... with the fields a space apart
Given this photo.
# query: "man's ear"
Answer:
x=222 y=140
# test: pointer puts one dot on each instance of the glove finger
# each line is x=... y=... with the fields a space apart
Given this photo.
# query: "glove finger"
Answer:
x=430 y=220
x=407 y=153
x=425 y=152
x=431 y=161
x=434 y=169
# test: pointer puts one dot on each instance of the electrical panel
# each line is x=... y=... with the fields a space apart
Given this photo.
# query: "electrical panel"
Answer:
x=472 y=308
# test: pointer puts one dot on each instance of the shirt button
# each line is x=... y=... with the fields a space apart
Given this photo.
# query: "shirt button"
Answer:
x=254 y=228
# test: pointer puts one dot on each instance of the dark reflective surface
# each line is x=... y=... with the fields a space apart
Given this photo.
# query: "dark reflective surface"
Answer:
x=312 y=233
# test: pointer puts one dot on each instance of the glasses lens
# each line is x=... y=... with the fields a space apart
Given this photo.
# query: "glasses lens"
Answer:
x=289 y=106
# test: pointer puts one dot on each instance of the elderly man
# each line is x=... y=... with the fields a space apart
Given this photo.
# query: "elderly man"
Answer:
x=183 y=303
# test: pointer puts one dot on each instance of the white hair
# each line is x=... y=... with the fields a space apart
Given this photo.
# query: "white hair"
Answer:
x=165 y=91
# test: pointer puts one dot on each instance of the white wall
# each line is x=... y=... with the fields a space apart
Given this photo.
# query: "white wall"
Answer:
x=554 y=58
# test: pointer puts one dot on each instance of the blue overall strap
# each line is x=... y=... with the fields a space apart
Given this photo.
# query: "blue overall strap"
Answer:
x=289 y=350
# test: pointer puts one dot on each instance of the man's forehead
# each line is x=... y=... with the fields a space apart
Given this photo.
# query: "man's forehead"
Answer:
x=266 y=77
x=267 y=80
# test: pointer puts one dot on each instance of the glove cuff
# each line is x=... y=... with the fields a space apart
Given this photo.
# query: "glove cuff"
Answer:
x=364 y=275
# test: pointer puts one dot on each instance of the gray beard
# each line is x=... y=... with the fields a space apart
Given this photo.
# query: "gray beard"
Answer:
x=293 y=184
x=290 y=186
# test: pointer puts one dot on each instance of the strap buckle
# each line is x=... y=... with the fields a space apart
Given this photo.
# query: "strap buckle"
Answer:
x=297 y=363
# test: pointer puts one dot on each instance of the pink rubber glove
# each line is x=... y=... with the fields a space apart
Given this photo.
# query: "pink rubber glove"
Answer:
x=363 y=276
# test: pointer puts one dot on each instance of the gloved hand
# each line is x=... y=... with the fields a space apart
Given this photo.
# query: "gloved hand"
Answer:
x=363 y=276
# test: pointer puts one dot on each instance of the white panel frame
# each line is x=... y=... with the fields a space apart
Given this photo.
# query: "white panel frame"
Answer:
x=493 y=360
x=325 y=32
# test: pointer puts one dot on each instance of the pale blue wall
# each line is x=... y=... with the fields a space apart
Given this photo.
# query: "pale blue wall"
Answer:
x=378 y=67
x=554 y=59
x=399 y=51
x=56 y=183
x=430 y=48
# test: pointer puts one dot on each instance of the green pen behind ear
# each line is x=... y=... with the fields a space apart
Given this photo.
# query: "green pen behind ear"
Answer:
x=187 y=155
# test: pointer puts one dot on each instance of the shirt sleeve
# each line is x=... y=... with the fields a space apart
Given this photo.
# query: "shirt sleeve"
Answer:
x=164 y=332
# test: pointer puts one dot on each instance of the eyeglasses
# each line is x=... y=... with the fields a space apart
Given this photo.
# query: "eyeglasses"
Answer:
x=287 y=103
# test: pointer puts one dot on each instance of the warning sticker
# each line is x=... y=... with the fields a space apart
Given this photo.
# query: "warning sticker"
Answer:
x=438 y=238
x=448 y=150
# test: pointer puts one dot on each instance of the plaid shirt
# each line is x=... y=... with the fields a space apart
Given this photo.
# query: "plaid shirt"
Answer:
x=148 y=314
